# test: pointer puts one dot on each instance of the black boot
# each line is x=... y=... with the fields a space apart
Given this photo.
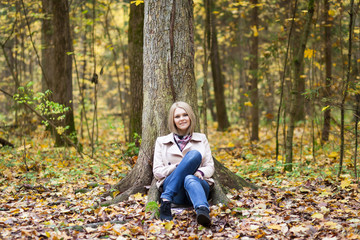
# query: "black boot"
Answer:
x=202 y=216
x=165 y=211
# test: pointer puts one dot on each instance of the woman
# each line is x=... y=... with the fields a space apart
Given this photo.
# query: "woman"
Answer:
x=183 y=165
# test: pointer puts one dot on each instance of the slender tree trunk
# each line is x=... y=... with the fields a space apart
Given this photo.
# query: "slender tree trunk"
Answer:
x=61 y=82
x=328 y=70
x=283 y=85
x=218 y=78
x=345 y=88
x=254 y=73
x=297 y=63
x=357 y=117
x=136 y=24
x=205 y=86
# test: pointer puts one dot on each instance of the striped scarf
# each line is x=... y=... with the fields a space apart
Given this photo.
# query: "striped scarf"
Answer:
x=181 y=141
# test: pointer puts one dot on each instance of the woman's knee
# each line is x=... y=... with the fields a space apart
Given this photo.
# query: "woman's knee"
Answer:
x=189 y=180
x=194 y=156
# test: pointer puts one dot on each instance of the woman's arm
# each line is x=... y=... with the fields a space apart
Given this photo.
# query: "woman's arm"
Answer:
x=207 y=165
x=161 y=170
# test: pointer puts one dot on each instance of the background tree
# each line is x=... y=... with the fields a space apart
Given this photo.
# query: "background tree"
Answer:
x=136 y=24
x=328 y=71
x=254 y=71
x=60 y=82
x=217 y=75
x=297 y=66
x=47 y=55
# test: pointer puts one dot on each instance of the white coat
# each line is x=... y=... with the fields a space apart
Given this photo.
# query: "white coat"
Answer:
x=167 y=155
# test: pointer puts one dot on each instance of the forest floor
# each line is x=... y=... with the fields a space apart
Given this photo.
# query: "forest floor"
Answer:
x=45 y=192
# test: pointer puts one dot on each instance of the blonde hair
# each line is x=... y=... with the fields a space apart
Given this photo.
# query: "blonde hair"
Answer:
x=188 y=110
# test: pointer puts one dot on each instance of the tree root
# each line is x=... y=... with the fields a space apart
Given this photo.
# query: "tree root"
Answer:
x=39 y=188
x=122 y=196
x=93 y=225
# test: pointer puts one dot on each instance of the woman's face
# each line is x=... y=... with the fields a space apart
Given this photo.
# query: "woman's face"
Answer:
x=181 y=120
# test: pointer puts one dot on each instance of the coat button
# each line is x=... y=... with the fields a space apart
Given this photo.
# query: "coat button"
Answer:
x=169 y=163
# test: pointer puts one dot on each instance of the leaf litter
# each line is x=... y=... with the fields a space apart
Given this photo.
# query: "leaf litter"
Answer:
x=50 y=196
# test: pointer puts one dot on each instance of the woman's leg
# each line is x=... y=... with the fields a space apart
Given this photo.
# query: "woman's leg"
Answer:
x=174 y=183
x=198 y=191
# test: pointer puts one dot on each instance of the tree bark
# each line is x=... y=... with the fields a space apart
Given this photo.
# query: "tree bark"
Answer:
x=345 y=89
x=61 y=82
x=218 y=78
x=168 y=76
x=294 y=105
x=254 y=73
x=328 y=70
x=136 y=24
x=47 y=33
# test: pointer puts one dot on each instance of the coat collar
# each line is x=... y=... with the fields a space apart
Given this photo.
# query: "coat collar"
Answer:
x=173 y=148
x=170 y=138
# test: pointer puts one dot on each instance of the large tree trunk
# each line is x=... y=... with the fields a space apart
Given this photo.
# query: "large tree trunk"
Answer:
x=254 y=72
x=328 y=67
x=168 y=77
x=218 y=78
x=294 y=104
x=61 y=81
x=136 y=24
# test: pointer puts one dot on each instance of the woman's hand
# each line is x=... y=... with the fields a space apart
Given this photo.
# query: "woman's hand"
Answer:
x=198 y=174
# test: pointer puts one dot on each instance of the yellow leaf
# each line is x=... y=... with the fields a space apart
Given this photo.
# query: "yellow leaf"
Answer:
x=324 y=108
x=255 y=31
x=333 y=155
x=345 y=183
x=60 y=130
x=274 y=226
x=318 y=216
x=138 y=196
x=309 y=53
x=249 y=104
x=107 y=226
x=331 y=12
x=115 y=193
x=137 y=2
x=230 y=144
x=169 y=225
x=333 y=225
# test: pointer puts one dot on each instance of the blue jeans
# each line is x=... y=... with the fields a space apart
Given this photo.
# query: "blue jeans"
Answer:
x=182 y=187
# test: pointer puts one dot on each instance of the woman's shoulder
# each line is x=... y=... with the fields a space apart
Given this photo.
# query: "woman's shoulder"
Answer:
x=198 y=136
x=165 y=138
